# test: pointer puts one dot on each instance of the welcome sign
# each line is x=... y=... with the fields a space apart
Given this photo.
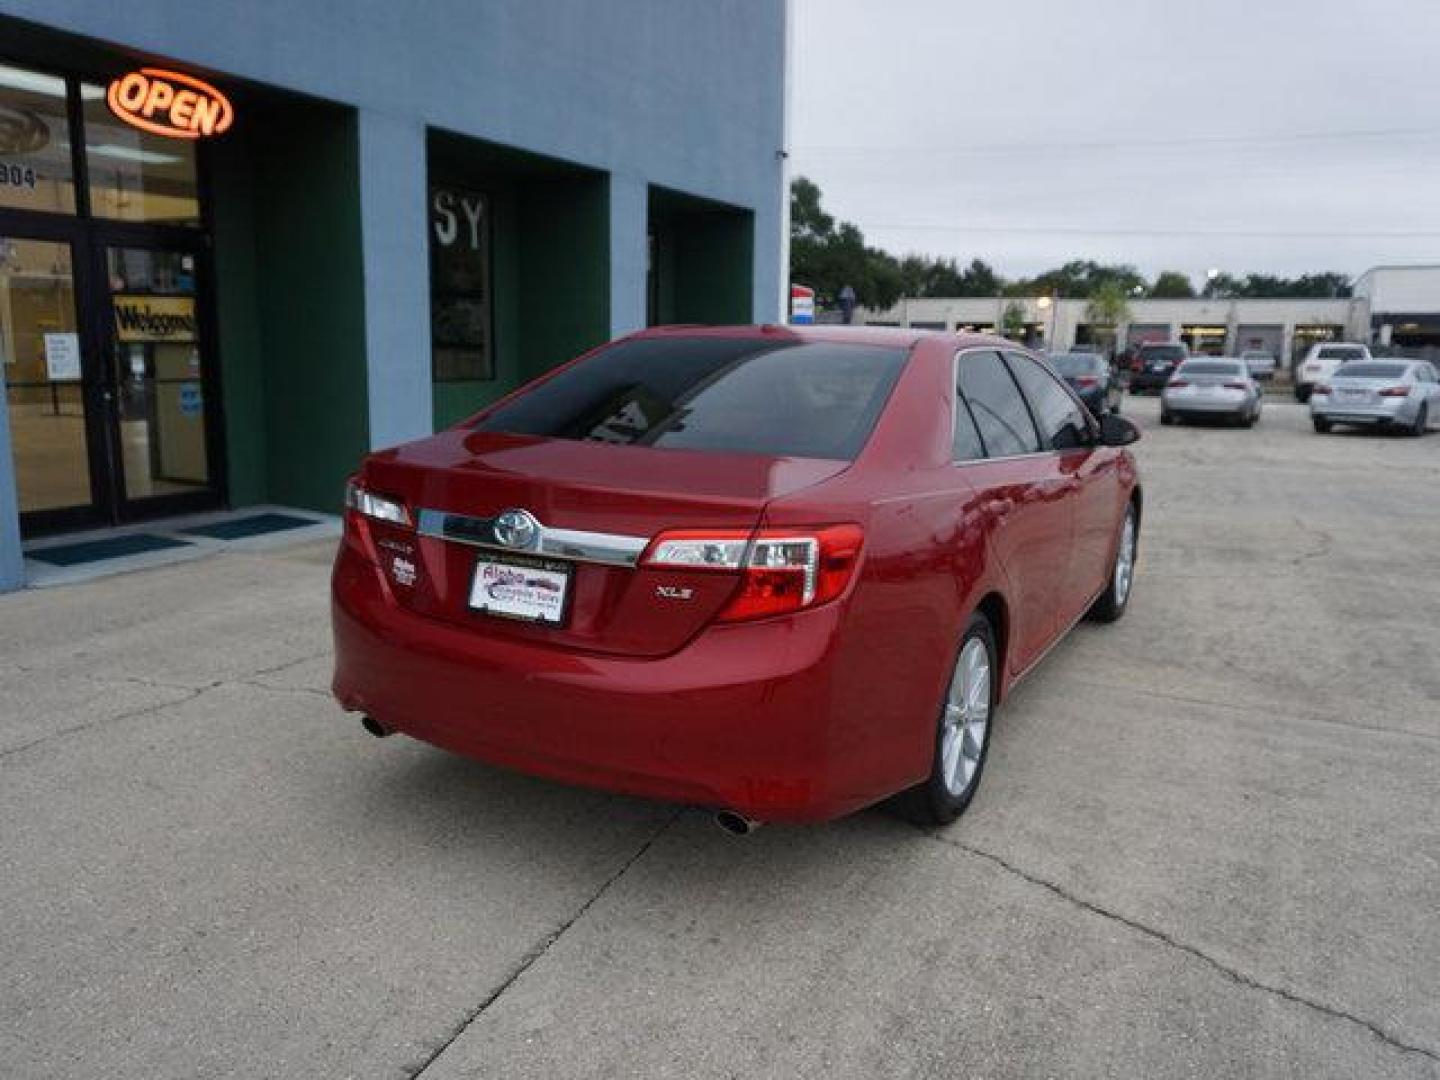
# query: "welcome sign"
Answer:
x=154 y=318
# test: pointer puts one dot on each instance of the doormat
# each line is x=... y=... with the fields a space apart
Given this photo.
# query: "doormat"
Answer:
x=111 y=547
x=254 y=525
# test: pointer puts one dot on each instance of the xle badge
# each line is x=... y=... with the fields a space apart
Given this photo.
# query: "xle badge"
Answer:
x=673 y=592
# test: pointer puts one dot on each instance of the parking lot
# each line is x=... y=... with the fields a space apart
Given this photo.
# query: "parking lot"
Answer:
x=1208 y=842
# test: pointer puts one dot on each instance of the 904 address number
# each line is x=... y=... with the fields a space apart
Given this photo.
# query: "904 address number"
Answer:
x=17 y=175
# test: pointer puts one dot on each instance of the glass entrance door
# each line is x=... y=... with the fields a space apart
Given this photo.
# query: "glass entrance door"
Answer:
x=157 y=375
x=53 y=439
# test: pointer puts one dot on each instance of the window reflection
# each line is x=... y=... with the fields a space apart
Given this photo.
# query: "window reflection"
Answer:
x=134 y=175
x=35 y=161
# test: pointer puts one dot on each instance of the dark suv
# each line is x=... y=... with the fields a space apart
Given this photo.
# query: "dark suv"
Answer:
x=1154 y=364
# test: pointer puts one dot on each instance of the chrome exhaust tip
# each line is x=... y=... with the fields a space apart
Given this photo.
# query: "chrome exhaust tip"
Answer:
x=736 y=824
x=374 y=727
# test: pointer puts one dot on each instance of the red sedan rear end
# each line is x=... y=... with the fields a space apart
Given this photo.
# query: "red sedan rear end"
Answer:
x=728 y=567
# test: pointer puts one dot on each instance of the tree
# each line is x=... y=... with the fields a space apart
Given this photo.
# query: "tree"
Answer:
x=1172 y=285
x=1080 y=278
x=1012 y=321
x=979 y=280
x=1109 y=306
x=828 y=256
x=807 y=220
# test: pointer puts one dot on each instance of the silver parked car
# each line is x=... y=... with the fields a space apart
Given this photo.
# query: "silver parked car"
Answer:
x=1218 y=388
x=1260 y=363
x=1396 y=393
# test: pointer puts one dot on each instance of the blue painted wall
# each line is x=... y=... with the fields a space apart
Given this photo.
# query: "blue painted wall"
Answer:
x=686 y=95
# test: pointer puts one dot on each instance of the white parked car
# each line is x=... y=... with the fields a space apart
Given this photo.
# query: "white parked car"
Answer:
x=1397 y=393
x=1322 y=360
x=1213 y=388
x=1260 y=363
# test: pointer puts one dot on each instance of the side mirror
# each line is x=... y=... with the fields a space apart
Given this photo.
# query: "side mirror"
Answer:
x=1117 y=431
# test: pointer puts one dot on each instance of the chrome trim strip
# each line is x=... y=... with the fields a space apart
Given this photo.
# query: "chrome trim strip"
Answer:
x=610 y=549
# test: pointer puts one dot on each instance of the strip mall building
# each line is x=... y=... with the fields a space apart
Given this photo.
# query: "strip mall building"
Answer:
x=239 y=248
x=1394 y=307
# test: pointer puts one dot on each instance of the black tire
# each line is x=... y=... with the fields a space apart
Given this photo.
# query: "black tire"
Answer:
x=1422 y=421
x=1115 y=406
x=1322 y=427
x=1166 y=419
x=1302 y=394
x=931 y=802
x=1113 y=601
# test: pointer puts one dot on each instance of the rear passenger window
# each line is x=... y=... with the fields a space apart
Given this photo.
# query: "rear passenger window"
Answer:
x=995 y=403
x=1061 y=418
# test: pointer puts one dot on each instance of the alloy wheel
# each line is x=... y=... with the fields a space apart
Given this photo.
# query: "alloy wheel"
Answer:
x=1125 y=560
x=966 y=719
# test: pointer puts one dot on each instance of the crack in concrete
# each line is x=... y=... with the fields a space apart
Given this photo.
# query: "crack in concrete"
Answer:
x=133 y=714
x=1267 y=709
x=539 y=949
x=1240 y=978
x=188 y=694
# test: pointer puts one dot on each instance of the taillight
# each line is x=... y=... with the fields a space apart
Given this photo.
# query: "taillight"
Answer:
x=1321 y=389
x=368 y=504
x=1236 y=386
x=781 y=570
x=1176 y=384
x=1087 y=380
x=1395 y=391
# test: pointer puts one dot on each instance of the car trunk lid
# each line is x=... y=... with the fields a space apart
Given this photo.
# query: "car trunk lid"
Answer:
x=458 y=482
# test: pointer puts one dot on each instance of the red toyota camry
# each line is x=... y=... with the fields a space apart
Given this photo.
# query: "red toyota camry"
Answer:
x=781 y=574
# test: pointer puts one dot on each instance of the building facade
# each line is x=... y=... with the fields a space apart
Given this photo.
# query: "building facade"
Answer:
x=1396 y=307
x=1286 y=328
x=242 y=247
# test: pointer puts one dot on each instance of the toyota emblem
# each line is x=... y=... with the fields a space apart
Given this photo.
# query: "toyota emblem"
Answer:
x=516 y=529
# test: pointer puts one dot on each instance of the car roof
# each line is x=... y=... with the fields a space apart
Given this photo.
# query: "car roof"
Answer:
x=899 y=337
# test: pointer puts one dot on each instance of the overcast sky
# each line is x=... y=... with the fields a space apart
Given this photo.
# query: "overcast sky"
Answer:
x=1278 y=136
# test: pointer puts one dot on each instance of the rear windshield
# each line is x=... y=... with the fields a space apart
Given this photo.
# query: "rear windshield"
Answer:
x=1340 y=352
x=1162 y=352
x=783 y=398
x=1076 y=363
x=1210 y=367
x=1372 y=371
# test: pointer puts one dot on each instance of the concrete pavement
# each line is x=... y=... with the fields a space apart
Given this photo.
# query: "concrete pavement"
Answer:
x=1208 y=842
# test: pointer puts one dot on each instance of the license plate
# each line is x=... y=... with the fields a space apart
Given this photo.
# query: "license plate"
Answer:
x=1354 y=395
x=514 y=587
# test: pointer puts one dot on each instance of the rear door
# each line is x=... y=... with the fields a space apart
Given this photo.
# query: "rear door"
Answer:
x=1029 y=518
x=1088 y=474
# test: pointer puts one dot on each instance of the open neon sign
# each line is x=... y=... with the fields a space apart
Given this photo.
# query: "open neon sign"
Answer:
x=170 y=104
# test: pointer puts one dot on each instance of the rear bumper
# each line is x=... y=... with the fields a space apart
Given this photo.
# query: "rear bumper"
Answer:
x=1145 y=380
x=1394 y=411
x=1192 y=406
x=738 y=719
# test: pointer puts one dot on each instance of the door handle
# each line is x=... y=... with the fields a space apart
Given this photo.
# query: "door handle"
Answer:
x=999 y=507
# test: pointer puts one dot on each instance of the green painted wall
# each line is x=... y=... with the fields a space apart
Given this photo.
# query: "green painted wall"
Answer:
x=714 y=255
x=550 y=264
x=702 y=260
x=564 y=270
x=311 y=300
x=290 y=298
x=238 y=316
